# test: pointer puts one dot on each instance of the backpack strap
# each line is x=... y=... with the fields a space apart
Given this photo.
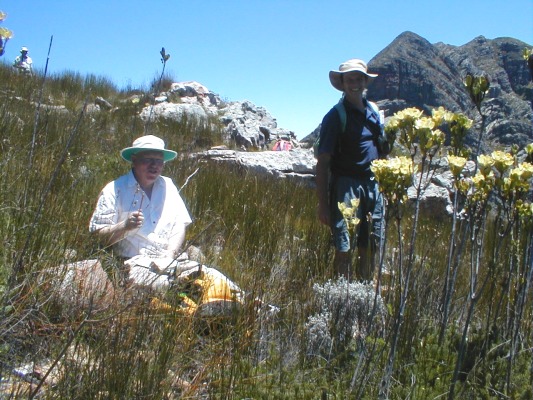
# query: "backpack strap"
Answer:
x=384 y=147
x=341 y=110
x=379 y=113
x=380 y=139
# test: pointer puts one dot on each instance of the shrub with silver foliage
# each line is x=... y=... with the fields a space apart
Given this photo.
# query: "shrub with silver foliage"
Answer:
x=345 y=312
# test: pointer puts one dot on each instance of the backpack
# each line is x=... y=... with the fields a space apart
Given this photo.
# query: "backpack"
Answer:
x=382 y=144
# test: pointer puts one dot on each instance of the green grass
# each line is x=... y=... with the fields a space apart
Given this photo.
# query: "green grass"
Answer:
x=261 y=232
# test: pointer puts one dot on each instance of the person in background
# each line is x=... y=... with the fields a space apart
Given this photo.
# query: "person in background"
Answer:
x=282 y=144
x=23 y=62
x=344 y=154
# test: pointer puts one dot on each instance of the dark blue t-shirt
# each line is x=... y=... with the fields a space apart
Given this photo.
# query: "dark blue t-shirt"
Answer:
x=353 y=150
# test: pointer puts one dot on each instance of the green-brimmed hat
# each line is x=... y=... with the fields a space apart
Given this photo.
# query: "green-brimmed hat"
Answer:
x=148 y=143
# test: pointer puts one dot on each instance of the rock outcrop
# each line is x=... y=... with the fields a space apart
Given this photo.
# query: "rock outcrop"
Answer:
x=245 y=124
x=436 y=190
x=298 y=163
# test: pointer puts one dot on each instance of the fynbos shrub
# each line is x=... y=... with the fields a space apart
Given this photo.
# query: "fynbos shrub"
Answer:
x=346 y=311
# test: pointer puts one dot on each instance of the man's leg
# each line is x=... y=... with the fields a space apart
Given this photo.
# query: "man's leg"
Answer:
x=366 y=264
x=343 y=265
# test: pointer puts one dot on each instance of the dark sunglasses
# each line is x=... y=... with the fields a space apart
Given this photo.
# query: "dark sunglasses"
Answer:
x=149 y=161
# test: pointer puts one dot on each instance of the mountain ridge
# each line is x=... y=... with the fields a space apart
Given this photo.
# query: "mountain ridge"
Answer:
x=415 y=73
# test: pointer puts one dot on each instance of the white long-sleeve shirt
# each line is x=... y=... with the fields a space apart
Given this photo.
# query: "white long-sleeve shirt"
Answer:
x=165 y=215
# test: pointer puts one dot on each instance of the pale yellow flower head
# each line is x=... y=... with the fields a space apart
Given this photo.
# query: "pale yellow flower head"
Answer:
x=441 y=115
x=456 y=165
x=523 y=172
x=392 y=123
x=485 y=164
x=463 y=185
x=349 y=214
x=424 y=123
x=525 y=209
x=5 y=33
x=394 y=175
x=482 y=186
x=517 y=183
x=528 y=170
x=355 y=202
x=502 y=161
x=462 y=120
x=411 y=113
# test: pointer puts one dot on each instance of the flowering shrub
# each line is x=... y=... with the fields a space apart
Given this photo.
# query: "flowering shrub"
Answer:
x=394 y=176
x=350 y=214
x=495 y=172
x=485 y=164
x=502 y=161
x=459 y=125
x=402 y=124
x=517 y=183
x=482 y=186
x=477 y=87
x=415 y=130
x=345 y=311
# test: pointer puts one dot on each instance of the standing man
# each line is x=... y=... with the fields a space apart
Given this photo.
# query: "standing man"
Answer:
x=23 y=62
x=349 y=141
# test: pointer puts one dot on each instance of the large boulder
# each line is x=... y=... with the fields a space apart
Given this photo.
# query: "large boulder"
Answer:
x=435 y=193
x=81 y=287
x=174 y=111
x=298 y=163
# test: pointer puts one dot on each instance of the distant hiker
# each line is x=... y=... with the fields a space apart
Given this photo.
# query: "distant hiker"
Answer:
x=23 y=62
x=347 y=145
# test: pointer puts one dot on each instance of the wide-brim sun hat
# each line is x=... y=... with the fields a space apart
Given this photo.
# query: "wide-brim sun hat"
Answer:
x=23 y=49
x=353 y=65
x=148 y=143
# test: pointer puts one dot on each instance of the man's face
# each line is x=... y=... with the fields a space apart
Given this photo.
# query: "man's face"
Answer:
x=354 y=82
x=147 y=166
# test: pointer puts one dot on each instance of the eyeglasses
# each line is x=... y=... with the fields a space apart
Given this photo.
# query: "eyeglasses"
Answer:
x=158 y=162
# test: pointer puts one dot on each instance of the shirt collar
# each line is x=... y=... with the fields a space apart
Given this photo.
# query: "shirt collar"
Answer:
x=351 y=107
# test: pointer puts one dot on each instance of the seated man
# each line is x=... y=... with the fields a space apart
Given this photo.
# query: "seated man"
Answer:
x=142 y=216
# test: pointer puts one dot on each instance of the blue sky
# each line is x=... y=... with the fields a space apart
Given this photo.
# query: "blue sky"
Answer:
x=274 y=53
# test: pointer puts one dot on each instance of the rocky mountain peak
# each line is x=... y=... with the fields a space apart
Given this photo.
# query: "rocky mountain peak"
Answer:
x=416 y=73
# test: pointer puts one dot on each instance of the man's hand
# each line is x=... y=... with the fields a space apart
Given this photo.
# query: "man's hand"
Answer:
x=134 y=221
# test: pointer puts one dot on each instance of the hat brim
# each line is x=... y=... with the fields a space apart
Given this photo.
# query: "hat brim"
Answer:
x=126 y=153
x=336 y=81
